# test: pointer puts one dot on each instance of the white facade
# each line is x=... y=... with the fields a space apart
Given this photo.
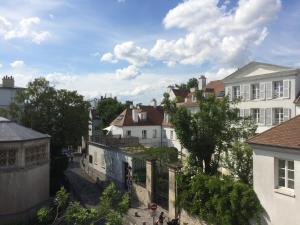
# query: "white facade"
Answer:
x=267 y=93
x=281 y=204
x=7 y=91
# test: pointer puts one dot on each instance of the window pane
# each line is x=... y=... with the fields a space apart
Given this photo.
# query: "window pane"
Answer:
x=291 y=165
x=281 y=163
x=291 y=174
x=281 y=173
x=281 y=182
x=291 y=184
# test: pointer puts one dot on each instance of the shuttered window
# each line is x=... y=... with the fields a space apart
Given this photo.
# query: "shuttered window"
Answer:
x=255 y=91
x=255 y=114
x=278 y=115
x=278 y=89
x=269 y=90
x=286 y=89
x=247 y=92
x=229 y=93
x=262 y=116
x=262 y=91
x=268 y=116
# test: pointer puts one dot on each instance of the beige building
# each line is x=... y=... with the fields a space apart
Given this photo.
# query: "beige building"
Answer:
x=24 y=171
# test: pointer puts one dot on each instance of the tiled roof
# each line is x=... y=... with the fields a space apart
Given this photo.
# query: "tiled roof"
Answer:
x=155 y=116
x=217 y=87
x=180 y=92
x=286 y=135
x=11 y=132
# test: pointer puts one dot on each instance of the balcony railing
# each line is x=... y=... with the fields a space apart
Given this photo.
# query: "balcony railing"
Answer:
x=116 y=141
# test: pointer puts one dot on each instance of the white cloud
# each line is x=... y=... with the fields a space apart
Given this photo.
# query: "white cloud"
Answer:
x=24 y=29
x=17 y=64
x=214 y=34
x=108 y=57
x=131 y=53
x=128 y=73
x=1 y=65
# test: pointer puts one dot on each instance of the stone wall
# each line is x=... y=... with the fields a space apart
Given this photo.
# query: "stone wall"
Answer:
x=139 y=194
x=186 y=219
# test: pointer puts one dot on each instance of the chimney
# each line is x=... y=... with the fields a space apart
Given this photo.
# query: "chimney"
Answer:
x=202 y=82
x=154 y=103
x=135 y=115
x=8 y=82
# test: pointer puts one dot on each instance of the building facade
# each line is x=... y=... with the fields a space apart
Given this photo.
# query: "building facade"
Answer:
x=276 y=172
x=267 y=93
x=8 y=91
x=24 y=171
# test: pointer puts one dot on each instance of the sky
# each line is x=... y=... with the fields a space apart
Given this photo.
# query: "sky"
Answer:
x=134 y=49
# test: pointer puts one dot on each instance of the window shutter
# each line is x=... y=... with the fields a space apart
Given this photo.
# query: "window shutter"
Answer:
x=247 y=92
x=262 y=116
x=241 y=112
x=242 y=92
x=268 y=118
x=286 y=114
x=247 y=112
x=286 y=89
x=262 y=91
x=269 y=90
x=229 y=93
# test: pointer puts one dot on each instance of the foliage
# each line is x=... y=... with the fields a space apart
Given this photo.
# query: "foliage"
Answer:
x=109 y=109
x=210 y=131
x=216 y=201
x=192 y=83
x=113 y=205
x=60 y=113
x=238 y=161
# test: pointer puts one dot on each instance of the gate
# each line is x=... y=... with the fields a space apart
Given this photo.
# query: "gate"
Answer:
x=161 y=187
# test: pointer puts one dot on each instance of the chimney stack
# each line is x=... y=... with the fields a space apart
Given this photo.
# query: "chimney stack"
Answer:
x=202 y=82
x=8 y=82
x=154 y=103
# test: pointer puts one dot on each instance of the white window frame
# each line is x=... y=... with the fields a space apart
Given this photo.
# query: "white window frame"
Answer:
x=255 y=91
x=280 y=118
x=286 y=176
x=236 y=90
x=255 y=113
x=278 y=89
x=154 y=133
x=144 y=134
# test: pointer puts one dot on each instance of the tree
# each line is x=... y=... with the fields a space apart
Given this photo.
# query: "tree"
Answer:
x=210 y=131
x=192 y=83
x=238 y=161
x=108 y=109
x=60 y=113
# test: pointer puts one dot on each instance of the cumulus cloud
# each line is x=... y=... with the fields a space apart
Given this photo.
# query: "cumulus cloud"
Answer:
x=214 y=34
x=23 y=29
x=108 y=57
x=128 y=73
x=17 y=64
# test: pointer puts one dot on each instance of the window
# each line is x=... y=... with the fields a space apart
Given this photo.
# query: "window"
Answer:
x=144 y=134
x=35 y=154
x=171 y=134
x=128 y=133
x=154 y=133
x=278 y=89
x=278 y=115
x=165 y=134
x=236 y=92
x=255 y=115
x=255 y=91
x=8 y=157
x=286 y=173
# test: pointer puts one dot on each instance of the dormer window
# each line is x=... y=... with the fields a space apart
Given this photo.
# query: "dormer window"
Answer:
x=143 y=116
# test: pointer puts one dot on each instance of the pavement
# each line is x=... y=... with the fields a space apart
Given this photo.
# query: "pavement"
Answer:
x=85 y=190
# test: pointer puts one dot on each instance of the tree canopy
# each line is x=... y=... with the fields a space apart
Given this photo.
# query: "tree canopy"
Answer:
x=192 y=83
x=210 y=131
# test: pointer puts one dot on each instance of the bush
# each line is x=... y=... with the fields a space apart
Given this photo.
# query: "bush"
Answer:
x=216 y=201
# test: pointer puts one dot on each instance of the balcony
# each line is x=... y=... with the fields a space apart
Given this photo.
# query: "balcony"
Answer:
x=115 y=141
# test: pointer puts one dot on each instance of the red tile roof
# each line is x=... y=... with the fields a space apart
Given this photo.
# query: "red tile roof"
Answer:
x=285 y=135
x=181 y=92
x=216 y=87
x=155 y=116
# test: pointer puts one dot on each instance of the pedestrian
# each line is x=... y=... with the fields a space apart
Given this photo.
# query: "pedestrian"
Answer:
x=161 y=218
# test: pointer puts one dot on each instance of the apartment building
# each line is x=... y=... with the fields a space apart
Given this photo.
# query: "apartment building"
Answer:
x=268 y=93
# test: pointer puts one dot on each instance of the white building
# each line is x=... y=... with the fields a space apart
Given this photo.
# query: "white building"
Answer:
x=94 y=123
x=267 y=93
x=8 y=91
x=276 y=172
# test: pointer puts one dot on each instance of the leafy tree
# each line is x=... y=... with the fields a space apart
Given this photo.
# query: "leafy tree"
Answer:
x=109 y=109
x=238 y=161
x=192 y=83
x=210 y=131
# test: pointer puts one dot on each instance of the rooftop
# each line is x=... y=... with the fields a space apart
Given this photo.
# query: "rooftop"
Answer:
x=285 y=135
x=13 y=132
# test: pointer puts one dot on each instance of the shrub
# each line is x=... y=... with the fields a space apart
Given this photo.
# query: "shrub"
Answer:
x=218 y=201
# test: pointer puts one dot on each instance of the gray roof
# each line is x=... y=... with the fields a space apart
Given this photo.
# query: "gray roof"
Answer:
x=11 y=131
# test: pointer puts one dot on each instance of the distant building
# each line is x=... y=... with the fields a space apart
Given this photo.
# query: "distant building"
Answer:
x=24 y=172
x=94 y=123
x=276 y=172
x=8 y=91
x=268 y=93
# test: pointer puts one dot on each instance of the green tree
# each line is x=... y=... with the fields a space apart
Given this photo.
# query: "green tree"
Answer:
x=192 y=83
x=238 y=160
x=109 y=109
x=210 y=131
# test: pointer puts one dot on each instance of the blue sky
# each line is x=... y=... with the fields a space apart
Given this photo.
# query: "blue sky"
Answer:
x=135 y=48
